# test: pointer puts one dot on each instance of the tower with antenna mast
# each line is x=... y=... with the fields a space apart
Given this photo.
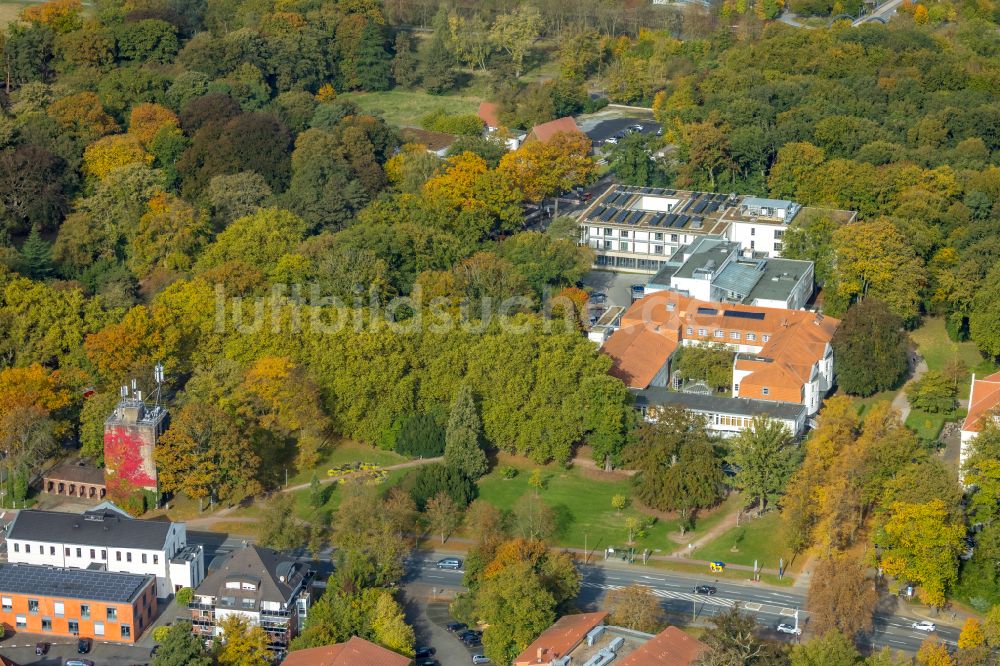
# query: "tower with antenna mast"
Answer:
x=131 y=433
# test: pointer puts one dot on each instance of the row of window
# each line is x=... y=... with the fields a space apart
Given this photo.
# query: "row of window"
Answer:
x=656 y=235
x=733 y=335
x=21 y=621
x=93 y=553
x=629 y=262
x=626 y=247
x=778 y=233
x=59 y=609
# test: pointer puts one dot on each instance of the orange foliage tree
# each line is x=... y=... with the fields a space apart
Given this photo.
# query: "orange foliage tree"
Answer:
x=543 y=168
x=147 y=119
x=60 y=15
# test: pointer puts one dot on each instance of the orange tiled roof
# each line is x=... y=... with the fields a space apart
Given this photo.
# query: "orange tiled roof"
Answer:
x=355 y=652
x=559 y=639
x=985 y=397
x=670 y=647
x=791 y=341
x=489 y=113
x=546 y=131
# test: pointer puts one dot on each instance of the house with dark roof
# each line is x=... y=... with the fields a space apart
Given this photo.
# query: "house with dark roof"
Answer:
x=101 y=605
x=984 y=405
x=108 y=539
x=436 y=143
x=354 y=652
x=270 y=589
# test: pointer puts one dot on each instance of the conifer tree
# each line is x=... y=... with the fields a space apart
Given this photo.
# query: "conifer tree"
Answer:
x=36 y=256
x=372 y=63
x=437 y=62
x=462 y=449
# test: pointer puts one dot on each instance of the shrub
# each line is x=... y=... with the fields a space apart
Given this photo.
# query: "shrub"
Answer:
x=183 y=598
x=161 y=632
x=430 y=480
x=508 y=471
x=463 y=124
x=420 y=435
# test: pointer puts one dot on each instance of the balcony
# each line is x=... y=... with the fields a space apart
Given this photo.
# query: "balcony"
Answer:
x=194 y=605
x=275 y=613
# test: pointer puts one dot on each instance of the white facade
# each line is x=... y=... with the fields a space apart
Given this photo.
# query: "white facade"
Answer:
x=155 y=561
x=758 y=236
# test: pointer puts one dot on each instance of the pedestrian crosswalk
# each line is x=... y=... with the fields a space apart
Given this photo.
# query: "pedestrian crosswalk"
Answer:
x=670 y=594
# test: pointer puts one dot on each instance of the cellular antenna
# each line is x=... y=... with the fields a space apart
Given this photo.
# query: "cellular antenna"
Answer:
x=158 y=377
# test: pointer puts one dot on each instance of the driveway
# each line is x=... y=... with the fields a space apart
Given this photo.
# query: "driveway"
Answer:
x=617 y=286
x=427 y=611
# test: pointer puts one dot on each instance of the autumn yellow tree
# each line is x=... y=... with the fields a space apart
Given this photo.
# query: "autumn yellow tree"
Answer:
x=111 y=153
x=83 y=116
x=921 y=543
x=243 y=643
x=543 y=168
x=972 y=635
x=457 y=183
x=59 y=15
x=146 y=119
x=933 y=653
x=127 y=347
x=169 y=235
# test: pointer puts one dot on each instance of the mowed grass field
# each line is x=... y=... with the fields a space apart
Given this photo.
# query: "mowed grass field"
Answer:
x=403 y=108
x=759 y=539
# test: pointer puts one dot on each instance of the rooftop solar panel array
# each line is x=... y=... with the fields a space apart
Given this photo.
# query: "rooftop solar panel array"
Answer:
x=740 y=314
x=70 y=583
x=708 y=311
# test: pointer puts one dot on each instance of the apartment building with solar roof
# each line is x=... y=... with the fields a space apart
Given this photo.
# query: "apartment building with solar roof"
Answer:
x=87 y=603
x=637 y=229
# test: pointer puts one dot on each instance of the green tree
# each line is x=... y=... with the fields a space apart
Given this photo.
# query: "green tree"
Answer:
x=429 y=480
x=934 y=393
x=372 y=64
x=515 y=32
x=463 y=438
x=633 y=164
x=711 y=363
x=870 y=349
x=280 y=528
x=732 y=640
x=437 y=61
x=676 y=463
x=984 y=319
x=517 y=608
x=405 y=62
x=810 y=237
x=36 y=256
x=180 y=647
x=765 y=459
x=421 y=435
x=243 y=643
x=830 y=649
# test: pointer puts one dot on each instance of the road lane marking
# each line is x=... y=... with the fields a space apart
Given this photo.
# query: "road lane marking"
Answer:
x=753 y=606
x=787 y=611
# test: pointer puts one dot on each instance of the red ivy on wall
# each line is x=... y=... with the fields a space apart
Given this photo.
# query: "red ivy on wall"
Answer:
x=122 y=453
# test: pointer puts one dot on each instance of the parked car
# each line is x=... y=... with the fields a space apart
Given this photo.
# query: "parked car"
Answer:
x=705 y=589
x=428 y=662
x=83 y=646
x=470 y=632
x=635 y=128
x=612 y=139
x=455 y=626
x=789 y=629
x=423 y=652
x=450 y=563
x=480 y=659
x=41 y=648
x=924 y=625
x=79 y=662
x=472 y=641
x=598 y=297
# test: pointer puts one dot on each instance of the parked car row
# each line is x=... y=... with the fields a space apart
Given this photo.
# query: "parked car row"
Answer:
x=472 y=638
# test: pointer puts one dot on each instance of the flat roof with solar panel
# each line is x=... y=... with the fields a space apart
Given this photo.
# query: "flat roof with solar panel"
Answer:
x=86 y=584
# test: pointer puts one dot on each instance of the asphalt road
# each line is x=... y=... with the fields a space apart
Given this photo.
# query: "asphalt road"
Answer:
x=770 y=605
x=607 y=128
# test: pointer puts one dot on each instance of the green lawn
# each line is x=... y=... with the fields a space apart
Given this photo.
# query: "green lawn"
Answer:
x=926 y=425
x=863 y=404
x=939 y=350
x=583 y=507
x=346 y=451
x=760 y=539
x=403 y=108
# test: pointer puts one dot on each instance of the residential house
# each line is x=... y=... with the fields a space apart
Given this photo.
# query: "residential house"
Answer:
x=107 y=538
x=670 y=647
x=355 y=652
x=269 y=589
x=546 y=131
x=984 y=400
x=716 y=269
x=782 y=356
x=87 y=603
x=436 y=143
x=559 y=640
x=637 y=229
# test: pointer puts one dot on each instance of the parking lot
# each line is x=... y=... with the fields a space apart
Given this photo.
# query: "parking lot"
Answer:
x=617 y=286
x=608 y=122
x=20 y=648
x=428 y=613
